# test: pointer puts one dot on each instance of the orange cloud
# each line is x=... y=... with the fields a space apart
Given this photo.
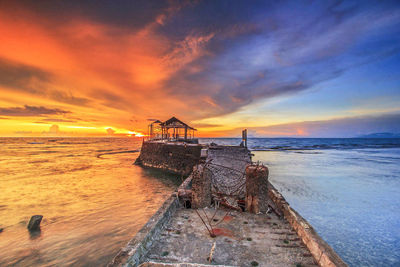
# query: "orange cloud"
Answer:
x=102 y=71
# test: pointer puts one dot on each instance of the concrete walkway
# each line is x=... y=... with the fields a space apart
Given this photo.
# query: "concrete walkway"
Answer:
x=243 y=239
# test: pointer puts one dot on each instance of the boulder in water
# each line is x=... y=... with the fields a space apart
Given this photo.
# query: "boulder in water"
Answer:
x=34 y=222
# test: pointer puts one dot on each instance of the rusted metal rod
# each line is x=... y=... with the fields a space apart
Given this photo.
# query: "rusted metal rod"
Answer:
x=211 y=233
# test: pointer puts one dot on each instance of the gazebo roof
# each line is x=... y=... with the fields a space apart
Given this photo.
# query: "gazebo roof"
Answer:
x=174 y=122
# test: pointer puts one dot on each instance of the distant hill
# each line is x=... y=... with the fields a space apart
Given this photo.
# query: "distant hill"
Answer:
x=380 y=135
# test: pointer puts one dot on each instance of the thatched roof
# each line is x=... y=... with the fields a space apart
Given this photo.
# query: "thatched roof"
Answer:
x=174 y=122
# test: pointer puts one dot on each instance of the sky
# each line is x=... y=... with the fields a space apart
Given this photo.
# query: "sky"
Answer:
x=277 y=68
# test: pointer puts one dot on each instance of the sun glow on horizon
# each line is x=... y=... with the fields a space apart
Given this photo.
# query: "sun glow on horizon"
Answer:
x=136 y=134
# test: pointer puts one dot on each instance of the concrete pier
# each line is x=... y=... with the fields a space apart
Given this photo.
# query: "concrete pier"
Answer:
x=215 y=230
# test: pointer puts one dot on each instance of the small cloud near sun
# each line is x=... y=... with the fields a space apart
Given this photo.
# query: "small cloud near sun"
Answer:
x=54 y=129
x=110 y=131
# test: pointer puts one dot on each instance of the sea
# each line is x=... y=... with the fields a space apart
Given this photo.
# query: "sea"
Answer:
x=93 y=199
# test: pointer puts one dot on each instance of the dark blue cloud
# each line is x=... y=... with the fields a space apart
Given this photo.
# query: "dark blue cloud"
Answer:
x=267 y=50
x=123 y=13
x=31 y=111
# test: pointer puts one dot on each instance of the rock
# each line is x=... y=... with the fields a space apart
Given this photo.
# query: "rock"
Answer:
x=1 y=230
x=34 y=222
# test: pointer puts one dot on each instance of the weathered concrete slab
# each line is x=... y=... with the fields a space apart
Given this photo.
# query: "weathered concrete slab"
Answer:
x=244 y=239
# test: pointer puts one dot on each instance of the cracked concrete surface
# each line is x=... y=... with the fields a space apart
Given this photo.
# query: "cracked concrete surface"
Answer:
x=243 y=239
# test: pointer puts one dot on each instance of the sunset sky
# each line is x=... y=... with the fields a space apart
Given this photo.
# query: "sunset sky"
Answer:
x=296 y=68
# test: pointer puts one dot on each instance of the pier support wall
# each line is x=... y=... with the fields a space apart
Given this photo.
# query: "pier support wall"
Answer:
x=170 y=157
x=137 y=247
x=132 y=254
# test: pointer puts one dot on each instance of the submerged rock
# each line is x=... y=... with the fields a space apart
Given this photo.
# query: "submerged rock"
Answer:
x=34 y=222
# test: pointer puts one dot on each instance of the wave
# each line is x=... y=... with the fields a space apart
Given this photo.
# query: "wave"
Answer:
x=117 y=152
x=321 y=147
x=69 y=170
x=75 y=143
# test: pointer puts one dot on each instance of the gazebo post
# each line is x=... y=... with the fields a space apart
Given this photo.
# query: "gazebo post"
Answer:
x=185 y=133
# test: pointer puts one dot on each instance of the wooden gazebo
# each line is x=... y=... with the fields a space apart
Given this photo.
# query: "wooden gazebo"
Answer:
x=172 y=130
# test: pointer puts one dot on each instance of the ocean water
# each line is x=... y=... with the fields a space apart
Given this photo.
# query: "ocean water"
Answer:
x=94 y=200
x=91 y=196
x=348 y=189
